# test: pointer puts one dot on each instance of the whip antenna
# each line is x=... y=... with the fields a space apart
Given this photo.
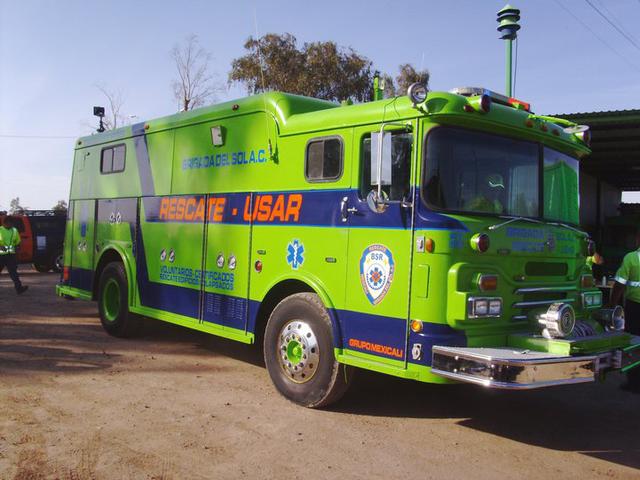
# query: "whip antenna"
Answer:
x=264 y=98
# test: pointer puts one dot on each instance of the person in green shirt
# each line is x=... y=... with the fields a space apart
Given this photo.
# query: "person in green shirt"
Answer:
x=627 y=285
x=9 y=241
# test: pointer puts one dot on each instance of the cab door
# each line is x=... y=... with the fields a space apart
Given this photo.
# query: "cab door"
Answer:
x=379 y=253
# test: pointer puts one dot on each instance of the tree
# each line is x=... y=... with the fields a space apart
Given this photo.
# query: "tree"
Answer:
x=113 y=117
x=60 y=207
x=318 y=69
x=15 y=208
x=408 y=75
x=195 y=84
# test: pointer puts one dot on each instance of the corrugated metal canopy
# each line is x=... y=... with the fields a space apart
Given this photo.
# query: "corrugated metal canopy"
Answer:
x=615 y=143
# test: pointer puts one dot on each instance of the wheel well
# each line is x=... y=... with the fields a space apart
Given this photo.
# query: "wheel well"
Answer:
x=106 y=258
x=277 y=293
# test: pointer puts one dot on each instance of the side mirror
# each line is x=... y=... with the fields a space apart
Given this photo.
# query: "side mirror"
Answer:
x=378 y=204
x=380 y=170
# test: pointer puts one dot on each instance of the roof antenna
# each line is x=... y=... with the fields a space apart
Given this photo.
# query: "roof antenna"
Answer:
x=264 y=98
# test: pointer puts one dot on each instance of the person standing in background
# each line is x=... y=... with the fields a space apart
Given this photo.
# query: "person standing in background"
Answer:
x=627 y=285
x=9 y=241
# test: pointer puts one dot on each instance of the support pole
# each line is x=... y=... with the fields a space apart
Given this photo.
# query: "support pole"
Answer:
x=509 y=68
x=508 y=27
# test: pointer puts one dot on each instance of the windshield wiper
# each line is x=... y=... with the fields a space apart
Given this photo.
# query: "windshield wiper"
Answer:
x=533 y=220
x=513 y=219
x=558 y=224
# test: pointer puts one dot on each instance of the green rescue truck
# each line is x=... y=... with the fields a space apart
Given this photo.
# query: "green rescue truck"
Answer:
x=432 y=236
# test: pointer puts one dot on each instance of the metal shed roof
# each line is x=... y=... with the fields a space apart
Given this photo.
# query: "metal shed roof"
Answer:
x=615 y=143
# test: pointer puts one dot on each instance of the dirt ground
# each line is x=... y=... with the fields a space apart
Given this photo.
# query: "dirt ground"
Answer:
x=77 y=404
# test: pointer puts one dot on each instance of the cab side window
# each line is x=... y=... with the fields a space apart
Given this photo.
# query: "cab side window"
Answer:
x=323 y=160
x=112 y=159
x=399 y=187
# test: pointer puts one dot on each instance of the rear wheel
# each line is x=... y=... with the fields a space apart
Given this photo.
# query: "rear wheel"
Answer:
x=58 y=263
x=113 y=302
x=298 y=352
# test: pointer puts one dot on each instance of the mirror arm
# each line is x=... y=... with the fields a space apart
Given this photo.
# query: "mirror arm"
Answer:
x=409 y=128
x=379 y=179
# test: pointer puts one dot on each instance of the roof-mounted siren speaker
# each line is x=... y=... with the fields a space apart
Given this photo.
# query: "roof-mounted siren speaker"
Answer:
x=581 y=131
x=508 y=22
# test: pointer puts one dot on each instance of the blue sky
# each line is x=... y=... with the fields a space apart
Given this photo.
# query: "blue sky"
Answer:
x=52 y=55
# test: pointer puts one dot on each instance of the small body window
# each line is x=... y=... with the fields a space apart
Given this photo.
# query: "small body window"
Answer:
x=112 y=159
x=118 y=158
x=399 y=187
x=323 y=160
x=106 y=163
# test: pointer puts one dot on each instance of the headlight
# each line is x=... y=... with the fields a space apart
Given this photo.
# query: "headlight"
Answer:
x=559 y=320
x=495 y=306
x=612 y=319
x=591 y=299
x=481 y=307
x=484 y=307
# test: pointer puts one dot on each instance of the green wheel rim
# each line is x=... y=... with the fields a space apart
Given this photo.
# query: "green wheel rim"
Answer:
x=111 y=300
x=294 y=351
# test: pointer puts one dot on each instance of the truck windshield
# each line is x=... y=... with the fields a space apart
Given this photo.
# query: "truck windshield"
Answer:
x=475 y=172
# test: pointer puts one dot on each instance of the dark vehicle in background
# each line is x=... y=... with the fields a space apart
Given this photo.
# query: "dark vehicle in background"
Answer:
x=618 y=238
x=41 y=238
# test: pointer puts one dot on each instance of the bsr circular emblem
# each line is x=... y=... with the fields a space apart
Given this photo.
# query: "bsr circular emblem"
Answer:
x=376 y=272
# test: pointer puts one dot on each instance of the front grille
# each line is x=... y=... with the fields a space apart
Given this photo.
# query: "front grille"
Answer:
x=546 y=269
x=539 y=298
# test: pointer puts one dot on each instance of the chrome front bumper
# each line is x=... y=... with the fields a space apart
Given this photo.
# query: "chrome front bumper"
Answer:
x=510 y=368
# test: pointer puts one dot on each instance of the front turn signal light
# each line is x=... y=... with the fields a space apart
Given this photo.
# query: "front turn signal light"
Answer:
x=487 y=282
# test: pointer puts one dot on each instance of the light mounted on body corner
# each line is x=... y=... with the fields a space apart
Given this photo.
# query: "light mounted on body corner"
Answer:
x=581 y=132
x=417 y=93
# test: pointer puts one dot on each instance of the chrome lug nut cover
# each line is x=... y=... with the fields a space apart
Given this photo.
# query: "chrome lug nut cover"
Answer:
x=299 y=352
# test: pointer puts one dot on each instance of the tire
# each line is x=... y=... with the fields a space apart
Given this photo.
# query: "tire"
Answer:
x=113 y=303
x=298 y=352
x=58 y=263
x=42 y=267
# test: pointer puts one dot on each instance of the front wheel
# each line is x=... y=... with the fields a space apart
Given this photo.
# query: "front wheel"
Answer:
x=113 y=302
x=298 y=352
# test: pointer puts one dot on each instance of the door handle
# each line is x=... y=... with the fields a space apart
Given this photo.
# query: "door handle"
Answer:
x=345 y=210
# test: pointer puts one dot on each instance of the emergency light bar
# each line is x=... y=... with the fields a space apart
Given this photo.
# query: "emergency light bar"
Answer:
x=496 y=97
